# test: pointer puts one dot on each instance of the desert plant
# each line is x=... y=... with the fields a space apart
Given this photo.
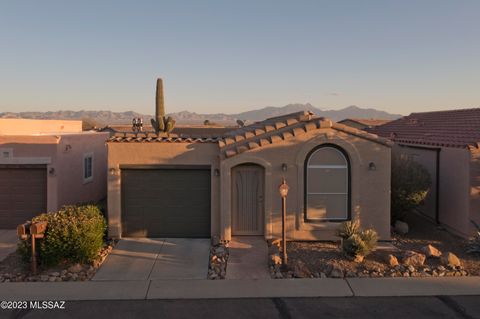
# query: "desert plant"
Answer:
x=161 y=123
x=74 y=234
x=473 y=246
x=410 y=185
x=357 y=242
x=348 y=228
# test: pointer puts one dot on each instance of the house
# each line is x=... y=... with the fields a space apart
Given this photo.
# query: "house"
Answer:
x=226 y=185
x=45 y=164
x=446 y=143
x=363 y=124
x=180 y=130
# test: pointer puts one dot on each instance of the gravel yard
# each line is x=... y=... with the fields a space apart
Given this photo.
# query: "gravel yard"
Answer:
x=325 y=259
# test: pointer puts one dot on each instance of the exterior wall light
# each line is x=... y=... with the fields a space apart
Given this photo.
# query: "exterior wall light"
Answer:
x=284 y=167
x=216 y=172
x=372 y=166
x=113 y=171
x=51 y=171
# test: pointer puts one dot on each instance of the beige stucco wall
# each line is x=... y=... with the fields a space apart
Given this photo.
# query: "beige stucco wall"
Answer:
x=64 y=169
x=158 y=154
x=370 y=190
x=38 y=127
x=70 y=154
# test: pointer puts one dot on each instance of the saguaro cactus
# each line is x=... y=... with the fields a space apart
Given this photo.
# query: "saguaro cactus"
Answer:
x=160 y=123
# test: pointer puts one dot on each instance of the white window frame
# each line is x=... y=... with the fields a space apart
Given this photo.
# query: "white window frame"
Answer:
x=89 y=178
x=307 y=193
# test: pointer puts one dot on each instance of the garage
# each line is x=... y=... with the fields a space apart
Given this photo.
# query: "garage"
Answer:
x=166 y=202
x=23 y=193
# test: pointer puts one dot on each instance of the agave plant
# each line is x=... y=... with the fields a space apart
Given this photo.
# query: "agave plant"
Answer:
x=357 y=242
x=348 y=229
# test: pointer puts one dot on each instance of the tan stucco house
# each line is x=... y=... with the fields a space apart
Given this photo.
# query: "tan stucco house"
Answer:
x=45 y=164
x=446 y=143
x=181 y=186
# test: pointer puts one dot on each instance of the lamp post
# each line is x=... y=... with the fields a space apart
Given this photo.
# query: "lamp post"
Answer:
x=283 y=189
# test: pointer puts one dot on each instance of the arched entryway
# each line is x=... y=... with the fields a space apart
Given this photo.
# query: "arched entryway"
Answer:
x=248 y=199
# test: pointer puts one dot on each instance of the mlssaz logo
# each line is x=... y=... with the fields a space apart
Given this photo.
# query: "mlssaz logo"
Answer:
x=47 y=304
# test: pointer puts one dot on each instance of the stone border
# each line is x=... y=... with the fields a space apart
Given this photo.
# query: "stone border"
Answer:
x=219 y=253
x=75 y=272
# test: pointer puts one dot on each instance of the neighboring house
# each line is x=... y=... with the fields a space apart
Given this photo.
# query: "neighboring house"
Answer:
x=45 y=164
x=363 y=124
x=228 y=185
x=180 y=130
x=446 y=143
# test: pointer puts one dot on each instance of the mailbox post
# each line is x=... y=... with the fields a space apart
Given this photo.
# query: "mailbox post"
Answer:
x=35 y=231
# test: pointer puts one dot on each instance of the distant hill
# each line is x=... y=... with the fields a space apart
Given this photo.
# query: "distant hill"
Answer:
x=185 y=117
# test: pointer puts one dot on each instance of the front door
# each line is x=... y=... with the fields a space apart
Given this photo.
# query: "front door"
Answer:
x=247 y=200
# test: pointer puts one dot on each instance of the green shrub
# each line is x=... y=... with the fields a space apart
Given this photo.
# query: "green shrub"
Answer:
x=410 y=185
x=357 y=242
x=74 y=234
x=348 y=228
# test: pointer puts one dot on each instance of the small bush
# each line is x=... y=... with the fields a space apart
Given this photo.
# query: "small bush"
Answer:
x=357 y=242
x=74 y=234
x=410 y=185
x=348 y=228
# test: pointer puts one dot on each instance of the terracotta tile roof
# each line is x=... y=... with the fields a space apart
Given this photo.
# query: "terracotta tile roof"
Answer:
x=366 y=122
x=455 y=128
x=281 y=128
x=185 y=131
x=153 y=138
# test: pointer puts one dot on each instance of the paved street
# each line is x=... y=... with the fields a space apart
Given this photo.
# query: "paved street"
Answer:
x=374 y=307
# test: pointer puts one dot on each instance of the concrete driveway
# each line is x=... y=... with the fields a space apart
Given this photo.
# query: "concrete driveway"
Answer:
x=152 y=258
x=8 y=242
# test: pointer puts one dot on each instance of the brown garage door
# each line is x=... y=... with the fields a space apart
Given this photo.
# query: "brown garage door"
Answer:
x=23 y=193
x=166 y=202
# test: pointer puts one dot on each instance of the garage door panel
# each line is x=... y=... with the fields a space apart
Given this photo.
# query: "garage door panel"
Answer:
x=166 y=202
x=23 y=194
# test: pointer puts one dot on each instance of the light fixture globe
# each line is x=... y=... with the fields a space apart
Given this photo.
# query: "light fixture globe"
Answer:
x=283 y=189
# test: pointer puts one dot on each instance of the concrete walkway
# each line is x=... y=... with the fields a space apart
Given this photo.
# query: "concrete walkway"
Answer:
x=248 y=258
x=253 y=288
x=140 y=259
x=8 y=242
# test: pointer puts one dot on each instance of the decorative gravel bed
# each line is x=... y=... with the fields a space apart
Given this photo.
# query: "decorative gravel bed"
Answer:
x=426 y=251
x=217 y=268
x=12 y=269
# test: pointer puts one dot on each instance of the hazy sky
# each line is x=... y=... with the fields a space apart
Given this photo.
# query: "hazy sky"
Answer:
x=230 y=56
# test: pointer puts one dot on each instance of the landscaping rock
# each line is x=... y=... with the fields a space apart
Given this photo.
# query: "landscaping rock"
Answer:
x=450 y=259
x=358 y=258
x=401 y=227
x=431 y=251
x=300 y=270
x=391 y=260
x=413 y=258
x=76 y=268
x=336 y=272
x=275 y=260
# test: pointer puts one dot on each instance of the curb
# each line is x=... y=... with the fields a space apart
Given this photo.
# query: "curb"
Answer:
x=225 y=289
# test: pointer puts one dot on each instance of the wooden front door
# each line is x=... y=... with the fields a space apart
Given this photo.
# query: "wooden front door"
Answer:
x=247 y=200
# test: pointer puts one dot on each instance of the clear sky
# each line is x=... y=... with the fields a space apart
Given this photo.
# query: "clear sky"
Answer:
x=231 y=56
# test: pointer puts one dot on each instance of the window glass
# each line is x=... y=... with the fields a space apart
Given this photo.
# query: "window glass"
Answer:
x=327 y=185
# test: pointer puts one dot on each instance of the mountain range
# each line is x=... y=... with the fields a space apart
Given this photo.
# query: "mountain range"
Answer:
x=186 y=117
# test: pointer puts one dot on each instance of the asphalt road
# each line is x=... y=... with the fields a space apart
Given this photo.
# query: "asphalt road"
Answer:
x=356 y=307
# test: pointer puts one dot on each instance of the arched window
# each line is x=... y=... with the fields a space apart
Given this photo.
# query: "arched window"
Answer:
x=327 y=184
